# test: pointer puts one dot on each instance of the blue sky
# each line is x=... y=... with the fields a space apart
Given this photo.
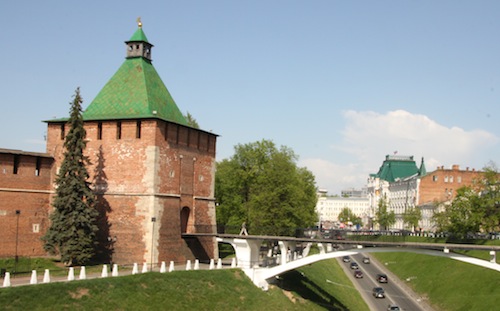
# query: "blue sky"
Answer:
x=342 y=83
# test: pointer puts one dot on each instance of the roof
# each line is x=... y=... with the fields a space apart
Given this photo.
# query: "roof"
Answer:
x=26 y=153
x=422 y=170
x=138 y=36
x=135 y=91
x=397 y=167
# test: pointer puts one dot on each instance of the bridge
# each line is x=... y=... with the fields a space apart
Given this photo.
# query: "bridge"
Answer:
x=292 y=252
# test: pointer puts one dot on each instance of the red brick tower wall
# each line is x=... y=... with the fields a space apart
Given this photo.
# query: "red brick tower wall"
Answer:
x=168 y=169
x=25 y=180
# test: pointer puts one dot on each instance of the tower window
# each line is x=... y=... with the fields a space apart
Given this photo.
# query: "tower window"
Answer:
x=62 y=131
x=99 y=130
x=119 y=130
x=138 y=130
x=16 y=164
x=38 y=166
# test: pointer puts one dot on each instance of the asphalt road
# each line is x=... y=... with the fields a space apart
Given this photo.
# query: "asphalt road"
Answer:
x=395 y=291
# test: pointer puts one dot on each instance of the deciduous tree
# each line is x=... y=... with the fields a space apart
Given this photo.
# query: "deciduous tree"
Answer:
x=384 y=218
x=262 y=186
x=412 y=216
x=475 y=207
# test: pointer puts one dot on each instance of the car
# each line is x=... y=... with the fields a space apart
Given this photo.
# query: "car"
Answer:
x=382 y=278
x=346 y=259
x=393 y=308
x=378 y=292
x=354 y=265
x=366 y=260
x=358 y=274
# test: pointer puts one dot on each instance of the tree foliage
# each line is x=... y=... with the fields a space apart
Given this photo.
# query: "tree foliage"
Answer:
x=346 y=215
x=262 y=186
x=191 y=121
x=72 y=233
x=411 y=217
x=475 y=207
x=384 y=218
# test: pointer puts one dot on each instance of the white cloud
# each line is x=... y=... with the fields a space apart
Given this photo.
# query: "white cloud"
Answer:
x=368 y=136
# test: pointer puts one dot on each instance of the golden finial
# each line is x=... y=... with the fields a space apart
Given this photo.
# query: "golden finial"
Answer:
x=139 y=23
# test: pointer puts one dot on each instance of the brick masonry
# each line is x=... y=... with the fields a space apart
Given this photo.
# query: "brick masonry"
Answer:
x=441 y=184
x=141 y=170
x=25 y=180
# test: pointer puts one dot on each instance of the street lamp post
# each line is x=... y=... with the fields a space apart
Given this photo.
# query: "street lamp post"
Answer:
x=153 y=220
x=18 y=212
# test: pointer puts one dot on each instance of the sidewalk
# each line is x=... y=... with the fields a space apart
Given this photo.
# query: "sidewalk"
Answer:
x=26 y=279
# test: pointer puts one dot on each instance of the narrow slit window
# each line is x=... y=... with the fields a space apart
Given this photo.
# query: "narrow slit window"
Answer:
x=177 y=135
x=16 y=164
x=138 y=130
x=119 y=130
x=38 y=166
x=99 y=130
x=62 y=131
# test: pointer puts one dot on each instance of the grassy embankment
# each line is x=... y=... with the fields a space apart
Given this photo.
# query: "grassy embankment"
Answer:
x=447 y=283
x=192 y=290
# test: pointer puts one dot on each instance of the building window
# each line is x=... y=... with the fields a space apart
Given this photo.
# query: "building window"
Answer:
x=138 y=129
x=38 y=166
x=445 y=178
x=459 y=179
x=62 y=131
x=16 y=164
x=451 y=178
x=119 y=130
x=36 y=228
x=99 y=130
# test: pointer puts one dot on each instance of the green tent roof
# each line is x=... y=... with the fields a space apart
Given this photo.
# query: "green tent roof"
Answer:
x=135 y=91
x=397 y=167
x=138 y=36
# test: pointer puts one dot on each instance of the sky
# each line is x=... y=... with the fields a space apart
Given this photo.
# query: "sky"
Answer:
x=341 y=83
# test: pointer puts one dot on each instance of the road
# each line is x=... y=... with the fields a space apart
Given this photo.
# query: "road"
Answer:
x=396 y=292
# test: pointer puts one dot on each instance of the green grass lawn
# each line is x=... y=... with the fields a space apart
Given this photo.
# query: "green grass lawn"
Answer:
x=447 y=283
x=190 y=290
x=310 y=282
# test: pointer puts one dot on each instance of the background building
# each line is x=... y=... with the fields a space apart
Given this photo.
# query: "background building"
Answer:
x=397 y=180
x=329 y=208
x=406 y=186
x=439 y=188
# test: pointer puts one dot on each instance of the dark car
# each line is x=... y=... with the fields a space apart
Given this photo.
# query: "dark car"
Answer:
x=346 y=259
x=382 y=278
x=354 y=265
x=358 y=274
x=366 y=260
x=378 y=292
x=393 y=308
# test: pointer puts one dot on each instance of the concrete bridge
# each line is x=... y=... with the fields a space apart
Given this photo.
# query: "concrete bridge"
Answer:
x=291 y=252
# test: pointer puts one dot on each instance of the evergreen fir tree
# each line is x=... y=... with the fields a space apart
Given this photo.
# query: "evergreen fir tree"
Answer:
x=73 y=229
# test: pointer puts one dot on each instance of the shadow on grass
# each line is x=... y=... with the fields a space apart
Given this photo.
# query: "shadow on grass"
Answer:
x=297 y=282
